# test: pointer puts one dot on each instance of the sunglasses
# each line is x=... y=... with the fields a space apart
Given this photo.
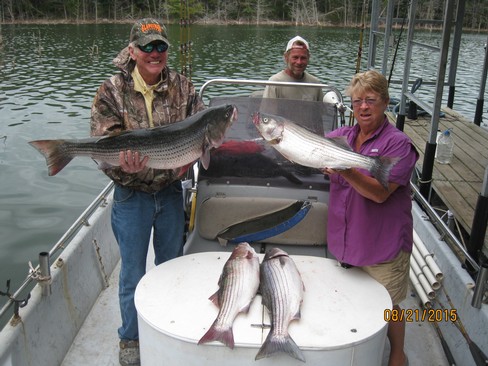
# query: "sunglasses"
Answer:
x=148 y=48
x=368 y=101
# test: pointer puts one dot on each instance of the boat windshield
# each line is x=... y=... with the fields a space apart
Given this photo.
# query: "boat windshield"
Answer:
x=245 y=158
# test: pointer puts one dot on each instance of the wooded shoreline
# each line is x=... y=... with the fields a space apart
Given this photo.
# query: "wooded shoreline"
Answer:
x=221 y=23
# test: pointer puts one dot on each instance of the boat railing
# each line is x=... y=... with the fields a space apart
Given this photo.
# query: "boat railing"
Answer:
x=83 y=220
x=442 y=226
x=335 y=98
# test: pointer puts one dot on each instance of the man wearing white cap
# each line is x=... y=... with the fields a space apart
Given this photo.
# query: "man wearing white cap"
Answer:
x=296 y=56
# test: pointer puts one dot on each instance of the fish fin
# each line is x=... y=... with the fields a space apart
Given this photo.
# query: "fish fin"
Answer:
x=215 y=299
x=275 y=344
x=222 y=241
x=250 y=254
x=382 y=167
x=340 y=141
x=282 y=260
x=297 y=315
x=226 y=336
x=56 y=157
x=245 y=308
x=205 y=158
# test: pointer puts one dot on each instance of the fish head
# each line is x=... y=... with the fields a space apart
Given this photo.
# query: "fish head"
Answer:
x=269 y=126
x=243 y=251
x=220 y=119
x=274 y=253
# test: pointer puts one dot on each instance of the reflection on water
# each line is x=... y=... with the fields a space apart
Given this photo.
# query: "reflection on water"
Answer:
x=50 y=73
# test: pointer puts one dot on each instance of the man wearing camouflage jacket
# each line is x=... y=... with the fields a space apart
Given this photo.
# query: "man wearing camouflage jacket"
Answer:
x=146 y=93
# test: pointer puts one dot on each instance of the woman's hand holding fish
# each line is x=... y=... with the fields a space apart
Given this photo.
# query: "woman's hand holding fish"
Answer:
x=328 y=171
x=130 y=162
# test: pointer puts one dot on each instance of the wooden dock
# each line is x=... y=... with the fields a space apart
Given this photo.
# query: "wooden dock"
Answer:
x=459 y=183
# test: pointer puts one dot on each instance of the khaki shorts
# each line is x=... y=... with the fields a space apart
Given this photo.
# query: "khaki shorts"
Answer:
x=393 y=275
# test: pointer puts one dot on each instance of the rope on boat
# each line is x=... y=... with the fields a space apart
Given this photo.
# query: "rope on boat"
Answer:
x=100 y=262
x=35 y=274
x=18 y=303
x=421 y=181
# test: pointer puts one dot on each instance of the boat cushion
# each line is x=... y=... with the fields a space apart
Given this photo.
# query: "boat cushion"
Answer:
x=218 y=213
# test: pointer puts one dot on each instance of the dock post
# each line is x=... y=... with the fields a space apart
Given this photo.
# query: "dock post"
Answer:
x=479 y=103
x=400 y=122
x=425 y=180
x=480 y=220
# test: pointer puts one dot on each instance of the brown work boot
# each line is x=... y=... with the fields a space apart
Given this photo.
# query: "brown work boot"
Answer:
x=129 y=353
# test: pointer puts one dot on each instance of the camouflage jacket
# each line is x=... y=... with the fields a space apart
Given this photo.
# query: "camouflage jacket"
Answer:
x=117 y=107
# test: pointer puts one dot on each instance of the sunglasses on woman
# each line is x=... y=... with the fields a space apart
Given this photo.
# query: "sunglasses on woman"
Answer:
x=148 y=48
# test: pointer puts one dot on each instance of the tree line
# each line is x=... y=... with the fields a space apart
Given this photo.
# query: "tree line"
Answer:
x=302 y=12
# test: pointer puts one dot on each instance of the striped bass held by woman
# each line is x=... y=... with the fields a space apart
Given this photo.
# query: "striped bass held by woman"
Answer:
x=304 y=147
x=168 y=147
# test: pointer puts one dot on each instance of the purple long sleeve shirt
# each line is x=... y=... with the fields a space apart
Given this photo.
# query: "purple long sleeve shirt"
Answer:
x=361 y=232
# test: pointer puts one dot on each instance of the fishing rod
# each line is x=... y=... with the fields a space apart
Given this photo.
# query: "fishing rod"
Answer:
x=185 y=43
x=479 y=356
x=396 y=49
x=361 y=38
x=360 y=48
x=445 y=346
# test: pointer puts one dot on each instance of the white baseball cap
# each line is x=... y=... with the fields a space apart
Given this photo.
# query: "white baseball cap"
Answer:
x=289 y=46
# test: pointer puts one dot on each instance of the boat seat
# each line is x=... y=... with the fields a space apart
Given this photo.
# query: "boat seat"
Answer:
x=219 y=213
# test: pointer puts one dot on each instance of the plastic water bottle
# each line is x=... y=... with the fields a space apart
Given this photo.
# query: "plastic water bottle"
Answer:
x=445 y=147
x=439 y=134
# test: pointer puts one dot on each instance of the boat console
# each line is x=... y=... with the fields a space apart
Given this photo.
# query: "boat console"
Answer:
x=249 y=187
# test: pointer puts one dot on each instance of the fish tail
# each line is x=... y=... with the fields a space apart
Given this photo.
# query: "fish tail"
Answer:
x=56 y=156
x=226 y=336
x=274 y=344
x=382 y=167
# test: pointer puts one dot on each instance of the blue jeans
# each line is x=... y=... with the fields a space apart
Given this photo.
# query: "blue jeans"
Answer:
x=134 y=215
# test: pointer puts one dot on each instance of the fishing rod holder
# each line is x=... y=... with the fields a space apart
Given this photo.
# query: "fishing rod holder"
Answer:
x=45 y=277
x=481 y=286
x=42 y=274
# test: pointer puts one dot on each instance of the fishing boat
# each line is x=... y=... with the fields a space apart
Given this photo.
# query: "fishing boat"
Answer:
x=66 y=312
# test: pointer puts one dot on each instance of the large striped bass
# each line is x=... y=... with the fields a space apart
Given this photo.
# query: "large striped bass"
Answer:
x=281 y=289
x=304 y=147
x=238 y=285
x=168 y=147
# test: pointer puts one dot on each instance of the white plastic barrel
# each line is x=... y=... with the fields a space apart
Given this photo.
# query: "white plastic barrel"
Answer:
x=342 y=316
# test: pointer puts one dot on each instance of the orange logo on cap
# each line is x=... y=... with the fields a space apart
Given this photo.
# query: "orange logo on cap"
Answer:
x=151 y=26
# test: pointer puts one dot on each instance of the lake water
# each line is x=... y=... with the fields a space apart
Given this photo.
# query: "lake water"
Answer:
x=50 y=73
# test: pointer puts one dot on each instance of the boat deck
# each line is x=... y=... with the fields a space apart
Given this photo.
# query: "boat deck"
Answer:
x=459 y=183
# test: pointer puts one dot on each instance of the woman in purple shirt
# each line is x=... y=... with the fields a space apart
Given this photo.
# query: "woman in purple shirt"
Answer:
x=370 y=226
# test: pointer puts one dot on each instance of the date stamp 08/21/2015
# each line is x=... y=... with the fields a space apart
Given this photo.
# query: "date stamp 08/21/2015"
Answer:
x=420 y=315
